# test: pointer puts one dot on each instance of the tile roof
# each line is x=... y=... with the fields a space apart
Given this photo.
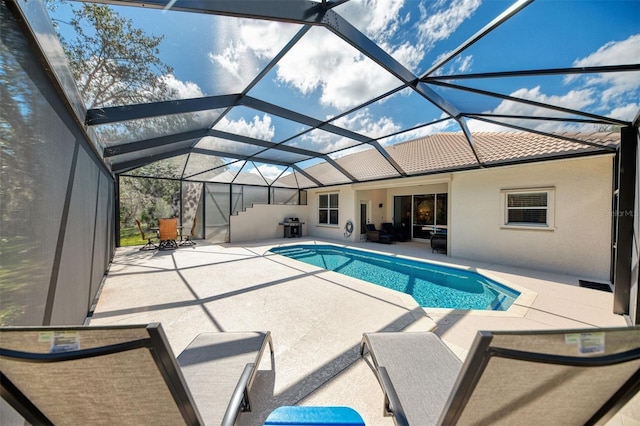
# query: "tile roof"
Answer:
x=368 y=165
x=441 y=152
x=445 y=152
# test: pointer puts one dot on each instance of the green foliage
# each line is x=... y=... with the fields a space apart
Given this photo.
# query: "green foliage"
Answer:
x=148 y=199
x=113 y=62
x=131 y=236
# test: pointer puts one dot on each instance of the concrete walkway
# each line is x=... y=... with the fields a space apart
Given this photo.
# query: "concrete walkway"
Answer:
x=317 y=317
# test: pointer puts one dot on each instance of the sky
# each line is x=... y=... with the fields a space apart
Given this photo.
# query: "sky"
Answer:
x=322 y=76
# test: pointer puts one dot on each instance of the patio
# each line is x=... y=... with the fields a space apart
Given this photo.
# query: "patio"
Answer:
x=317 y=317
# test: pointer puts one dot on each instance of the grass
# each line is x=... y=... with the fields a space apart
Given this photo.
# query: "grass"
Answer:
x=130 y=237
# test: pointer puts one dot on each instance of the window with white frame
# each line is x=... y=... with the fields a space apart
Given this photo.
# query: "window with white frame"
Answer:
x=328 y=209
x=528 y=208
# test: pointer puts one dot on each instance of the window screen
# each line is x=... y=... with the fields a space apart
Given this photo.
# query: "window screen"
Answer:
x=527 y=208
x=328 y=209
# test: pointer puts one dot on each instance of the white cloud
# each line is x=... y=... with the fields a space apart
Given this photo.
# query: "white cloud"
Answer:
x=574 y=99
x=258 y=128
x=349 y=151
x=378 y=19
x=230 y=59
x=440 y=24
x=266 y=38
x=441 y=127
x=617 y=90
x=626 y=112
x=613 y=94
x=190 y=90
x=361 y=122
x=459 y=65
x=614 y=52
x=342 y=75
x=242 y=46
x=320 y=61
x=406 y=54
x=325 y=141
x=463 y=63
x=267 y=170
x=185 y=90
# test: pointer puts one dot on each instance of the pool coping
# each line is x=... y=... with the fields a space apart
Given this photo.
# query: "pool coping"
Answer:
x=518 y=309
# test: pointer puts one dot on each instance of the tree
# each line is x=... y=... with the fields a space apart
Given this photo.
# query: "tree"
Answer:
x=149 y=198
x=113 y=62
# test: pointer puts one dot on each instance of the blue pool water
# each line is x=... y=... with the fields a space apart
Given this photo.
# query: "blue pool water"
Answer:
x=431 y=285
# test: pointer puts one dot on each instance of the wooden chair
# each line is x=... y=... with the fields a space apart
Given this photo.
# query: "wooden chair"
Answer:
x=168 y=233
x=188 y=240
x=149 y=245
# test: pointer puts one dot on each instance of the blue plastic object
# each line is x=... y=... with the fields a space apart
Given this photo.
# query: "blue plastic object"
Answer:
x=314 y=416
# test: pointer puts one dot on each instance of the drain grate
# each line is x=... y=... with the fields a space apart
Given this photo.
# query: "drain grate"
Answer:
x=595 y=286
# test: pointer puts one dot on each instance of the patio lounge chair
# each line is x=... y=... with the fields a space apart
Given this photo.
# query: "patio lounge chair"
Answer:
x=127 y=375
x=568 y=377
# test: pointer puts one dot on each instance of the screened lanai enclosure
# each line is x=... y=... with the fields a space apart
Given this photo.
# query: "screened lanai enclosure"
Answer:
x=211 y=107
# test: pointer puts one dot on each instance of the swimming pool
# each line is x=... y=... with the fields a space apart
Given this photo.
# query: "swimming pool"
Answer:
x=431 y=285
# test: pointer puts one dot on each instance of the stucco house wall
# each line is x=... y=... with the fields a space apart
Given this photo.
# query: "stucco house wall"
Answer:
x=261 y=221
x=348 y=210
x=580 y=242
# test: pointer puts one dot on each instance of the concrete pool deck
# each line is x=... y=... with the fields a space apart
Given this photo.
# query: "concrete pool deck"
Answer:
x=317 y=317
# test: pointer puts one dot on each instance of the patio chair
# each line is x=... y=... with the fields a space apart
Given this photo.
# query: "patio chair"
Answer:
x=550 y=377
x=378 y=236
x=149 y=245
x=388 y=228
x=439 y=242
x=188 y=239
x=168 y=233
x=127 y=375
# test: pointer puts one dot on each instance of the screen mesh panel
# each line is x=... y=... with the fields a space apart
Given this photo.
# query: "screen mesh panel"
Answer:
x=49 y=188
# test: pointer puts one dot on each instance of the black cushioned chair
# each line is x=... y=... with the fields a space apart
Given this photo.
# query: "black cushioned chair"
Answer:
x=378 y=236
x=439 y=242
x=391 y=230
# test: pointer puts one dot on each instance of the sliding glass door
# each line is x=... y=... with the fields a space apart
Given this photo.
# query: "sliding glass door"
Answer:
x=402 y=215
x=418 y=216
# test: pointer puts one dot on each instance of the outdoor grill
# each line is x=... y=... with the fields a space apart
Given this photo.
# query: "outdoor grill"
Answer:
x=292 y=227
